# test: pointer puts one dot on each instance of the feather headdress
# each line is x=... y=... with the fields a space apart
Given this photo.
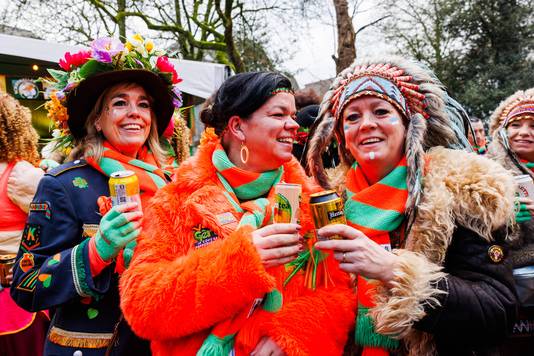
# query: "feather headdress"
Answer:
x=516 y=106
x=519 y=105
x=434 y=118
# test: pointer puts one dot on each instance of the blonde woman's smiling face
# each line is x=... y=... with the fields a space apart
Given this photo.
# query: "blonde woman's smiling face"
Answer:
x=126 y=118
x=374 y=130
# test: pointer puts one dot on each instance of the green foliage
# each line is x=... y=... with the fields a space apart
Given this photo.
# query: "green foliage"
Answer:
x=496 y=57
x=254 y=53
x=195 y=30
x=482 y=50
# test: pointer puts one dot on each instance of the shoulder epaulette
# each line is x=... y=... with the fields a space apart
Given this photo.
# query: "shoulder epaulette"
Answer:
x=67 y=167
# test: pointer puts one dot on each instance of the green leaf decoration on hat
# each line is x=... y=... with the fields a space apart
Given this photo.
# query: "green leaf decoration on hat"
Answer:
x=93 y=67
x=60 y=76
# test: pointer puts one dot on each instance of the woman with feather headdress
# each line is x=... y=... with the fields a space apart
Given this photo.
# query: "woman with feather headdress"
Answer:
x=512 y=127
x=425 y=219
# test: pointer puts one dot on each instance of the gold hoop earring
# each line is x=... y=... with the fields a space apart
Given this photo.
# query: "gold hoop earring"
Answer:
x=244 y=153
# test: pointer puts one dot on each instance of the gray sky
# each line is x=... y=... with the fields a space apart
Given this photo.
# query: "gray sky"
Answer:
x=313 y=57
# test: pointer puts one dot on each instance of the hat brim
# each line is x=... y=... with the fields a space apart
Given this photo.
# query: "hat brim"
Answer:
x=82 y=99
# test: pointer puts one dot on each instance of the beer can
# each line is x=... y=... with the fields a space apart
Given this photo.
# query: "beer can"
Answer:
x=6 y=263
x=124 y=188
x=327 y=209
x=287 y=197
x=525 y=186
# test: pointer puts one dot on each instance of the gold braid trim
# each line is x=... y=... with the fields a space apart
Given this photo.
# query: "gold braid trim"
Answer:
x=79 y=339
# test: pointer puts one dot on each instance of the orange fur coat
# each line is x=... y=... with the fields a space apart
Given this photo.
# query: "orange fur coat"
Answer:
x=175 y=291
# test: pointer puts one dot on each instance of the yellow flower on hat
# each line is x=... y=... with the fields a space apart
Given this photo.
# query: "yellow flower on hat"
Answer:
x=138 y=38
x=149 y=45
x=129 y=46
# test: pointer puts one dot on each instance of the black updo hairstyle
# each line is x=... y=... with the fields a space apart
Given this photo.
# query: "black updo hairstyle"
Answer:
x=241 y=95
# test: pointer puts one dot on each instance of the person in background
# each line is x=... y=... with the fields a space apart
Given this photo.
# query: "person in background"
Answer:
x=112 y=103
x=426 y=225
x=305 y=118
x=306 y=97
x=21 y=332
x=307 y=102
x=212 y=274
x=478 y=141
x=512 y=129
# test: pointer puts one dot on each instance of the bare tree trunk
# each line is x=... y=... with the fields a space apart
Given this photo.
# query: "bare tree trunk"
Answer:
x=231 y=50
x=346 y=37
x=121 y=20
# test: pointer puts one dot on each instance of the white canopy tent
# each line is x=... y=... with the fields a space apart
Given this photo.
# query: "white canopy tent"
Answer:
x=200 y=79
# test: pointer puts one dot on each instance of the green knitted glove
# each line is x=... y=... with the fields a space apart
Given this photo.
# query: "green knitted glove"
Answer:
x=128 y=253
x=114 y=233
x=523 y=214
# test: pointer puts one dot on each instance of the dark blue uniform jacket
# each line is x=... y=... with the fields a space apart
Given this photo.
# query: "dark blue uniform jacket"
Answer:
x=52 y=269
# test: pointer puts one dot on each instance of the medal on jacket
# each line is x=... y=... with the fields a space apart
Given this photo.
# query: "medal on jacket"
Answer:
x=496 y=253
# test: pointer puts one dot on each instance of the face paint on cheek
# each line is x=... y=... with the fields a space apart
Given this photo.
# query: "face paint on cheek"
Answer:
x=394 y=120
x=114 y=112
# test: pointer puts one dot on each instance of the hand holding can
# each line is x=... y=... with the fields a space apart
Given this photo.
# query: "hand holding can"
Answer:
x=124 y=188
x=327 y=208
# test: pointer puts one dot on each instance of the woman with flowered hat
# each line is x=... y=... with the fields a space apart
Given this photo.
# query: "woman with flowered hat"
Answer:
x=512 y=129
x=111 y=105
x=212 y=274
x=424 y=222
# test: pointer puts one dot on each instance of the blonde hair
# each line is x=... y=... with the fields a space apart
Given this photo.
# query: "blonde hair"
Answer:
x=18 y=138
x=92 y=145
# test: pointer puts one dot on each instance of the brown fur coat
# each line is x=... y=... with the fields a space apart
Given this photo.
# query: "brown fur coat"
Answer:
x=459 y=190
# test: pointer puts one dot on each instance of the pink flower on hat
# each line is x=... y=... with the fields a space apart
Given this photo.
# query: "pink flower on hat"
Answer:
x=74 y=60
x=165 y=66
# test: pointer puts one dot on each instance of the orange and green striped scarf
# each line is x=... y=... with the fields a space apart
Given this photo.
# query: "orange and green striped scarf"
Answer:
x=249 y=193
x=375 y=210
x=529 y=165
x=150 y=176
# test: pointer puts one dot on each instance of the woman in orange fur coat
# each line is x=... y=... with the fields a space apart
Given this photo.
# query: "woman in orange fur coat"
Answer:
x=208 y=274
